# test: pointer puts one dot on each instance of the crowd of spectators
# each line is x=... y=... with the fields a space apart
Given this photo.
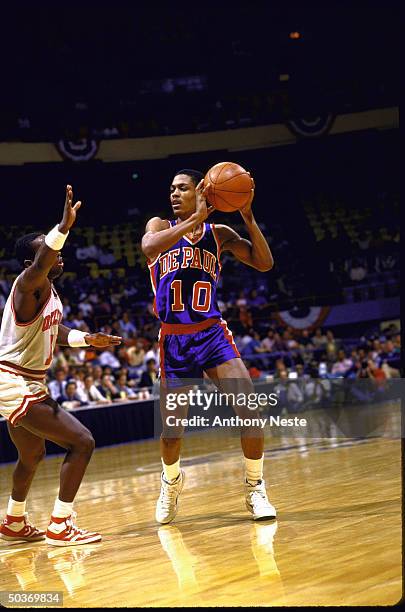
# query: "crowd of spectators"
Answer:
x=301 y=364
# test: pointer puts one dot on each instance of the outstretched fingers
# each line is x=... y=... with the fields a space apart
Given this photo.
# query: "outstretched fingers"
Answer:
x=69 y=195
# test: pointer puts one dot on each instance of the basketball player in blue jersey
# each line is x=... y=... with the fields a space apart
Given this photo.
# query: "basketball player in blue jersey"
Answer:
x=184 y=263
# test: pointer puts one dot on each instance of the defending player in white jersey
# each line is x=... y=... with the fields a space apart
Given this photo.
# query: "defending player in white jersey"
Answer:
x=30 y=329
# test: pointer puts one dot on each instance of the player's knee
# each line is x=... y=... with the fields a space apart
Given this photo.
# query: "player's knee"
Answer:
x=171 y=441
x=252 y=431
x=85 y=443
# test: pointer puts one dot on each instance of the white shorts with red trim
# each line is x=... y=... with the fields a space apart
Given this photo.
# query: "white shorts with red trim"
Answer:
x=17 y=394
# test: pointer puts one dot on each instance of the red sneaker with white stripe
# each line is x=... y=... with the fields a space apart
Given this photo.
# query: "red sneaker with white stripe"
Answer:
x=63 y=532
x=18 y=528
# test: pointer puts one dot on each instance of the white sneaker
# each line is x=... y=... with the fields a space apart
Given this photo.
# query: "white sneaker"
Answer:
x=166 y=507
x=257 y=502
x=64 y=532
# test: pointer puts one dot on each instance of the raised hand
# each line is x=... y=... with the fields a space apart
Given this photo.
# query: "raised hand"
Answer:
x=101 y=340
x=69 y=211
x=247 y=209
x=201 y=207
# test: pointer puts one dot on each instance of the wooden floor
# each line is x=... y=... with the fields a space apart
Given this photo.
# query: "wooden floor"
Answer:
x=337 y=539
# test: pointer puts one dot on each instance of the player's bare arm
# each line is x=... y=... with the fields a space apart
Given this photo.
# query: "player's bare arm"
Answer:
x=98 y=339
x=33 y=286
x=160 y=235
x=254 y=252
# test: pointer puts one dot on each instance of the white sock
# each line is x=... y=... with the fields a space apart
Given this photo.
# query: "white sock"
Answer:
x=254 y=470
x=15 y=508
x=171 y=471
x=62 y=509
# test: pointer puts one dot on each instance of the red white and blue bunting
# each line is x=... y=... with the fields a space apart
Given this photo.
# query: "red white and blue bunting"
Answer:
x=312 y=127
x=83 y=149
x=299 y=318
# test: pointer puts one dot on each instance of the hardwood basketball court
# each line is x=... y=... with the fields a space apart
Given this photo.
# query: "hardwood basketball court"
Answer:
x=337 y=539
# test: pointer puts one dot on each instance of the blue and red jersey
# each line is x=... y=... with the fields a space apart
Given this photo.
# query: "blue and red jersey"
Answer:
x=185 y=277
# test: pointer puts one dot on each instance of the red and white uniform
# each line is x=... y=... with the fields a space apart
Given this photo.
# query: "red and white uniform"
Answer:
x=26 y=351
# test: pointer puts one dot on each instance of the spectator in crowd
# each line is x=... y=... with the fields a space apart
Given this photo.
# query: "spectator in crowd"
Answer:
x=305 y=339
x=342 y=365
x=364 y=240
x=388 y=351
x=241 y=302
x=376 y=349
x=57 y=386
x=70 y=399
x=72 y=356
x=281 y=388
x=370 y=380
x=108 y=370
x=295 y=396
x=108 y=358
x=130 y=382
x=289 y=341
x=59 y=360
x=87 y=252
x=69 y=320
x=245 y=317
x=300 y=369
x=97 y=374
x=86 y=308
x=89 y=369
x=268 y=341
x=316 y=391
x=78 y=322
x=290 y=396
x=149 y=377
x=153 y=353
x=135 y=357
x=127 y=328
x=319 y=340
x=389 y=371
x=253 y=346
x=93 y=395
x=107 y=388
x=106 y=258
x=125 y=392
x=256 y=303
x=93 y=296
x=279 y=367
x=331 y=346
x=279 y=344
x=357 y=269
x=376 y=373
x=103 y=306
x=78 y=377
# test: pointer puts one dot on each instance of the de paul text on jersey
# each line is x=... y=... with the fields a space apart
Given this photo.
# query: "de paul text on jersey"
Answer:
x=188 y=257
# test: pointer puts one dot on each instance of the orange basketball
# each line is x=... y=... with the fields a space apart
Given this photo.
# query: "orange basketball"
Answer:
x=231 y=186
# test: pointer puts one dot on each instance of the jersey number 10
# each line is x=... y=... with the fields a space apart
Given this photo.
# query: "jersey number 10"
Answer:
x=201 y=301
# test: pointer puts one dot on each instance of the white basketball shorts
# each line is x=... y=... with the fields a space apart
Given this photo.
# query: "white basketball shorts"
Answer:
x=17 y=394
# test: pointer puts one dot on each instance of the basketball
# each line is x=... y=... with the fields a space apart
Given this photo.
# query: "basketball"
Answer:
x=231 y=186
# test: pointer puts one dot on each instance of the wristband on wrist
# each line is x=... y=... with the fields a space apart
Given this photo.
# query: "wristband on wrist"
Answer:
x=55 y=239
x=76 y=338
